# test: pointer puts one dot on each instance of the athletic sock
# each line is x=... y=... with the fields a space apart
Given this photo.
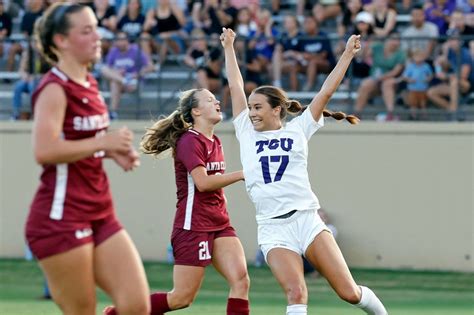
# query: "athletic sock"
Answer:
x=370 y=303
x=159 y=303
x=237 y=306
x=297 y=309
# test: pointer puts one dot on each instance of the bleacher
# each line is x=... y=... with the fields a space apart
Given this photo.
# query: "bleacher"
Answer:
x=160 y=90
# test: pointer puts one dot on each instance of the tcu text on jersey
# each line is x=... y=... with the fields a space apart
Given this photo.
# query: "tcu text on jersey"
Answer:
x=285 y=143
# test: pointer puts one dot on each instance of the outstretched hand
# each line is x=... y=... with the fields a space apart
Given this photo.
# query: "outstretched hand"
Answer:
x=353 y=44
x=227 y=37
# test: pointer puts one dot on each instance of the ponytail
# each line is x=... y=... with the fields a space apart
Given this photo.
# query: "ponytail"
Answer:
x=293 y=107
x=353 y=120
x=166 y=131
x=164 y=134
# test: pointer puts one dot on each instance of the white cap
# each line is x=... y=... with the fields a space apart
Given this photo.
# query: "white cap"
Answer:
x=364 y=17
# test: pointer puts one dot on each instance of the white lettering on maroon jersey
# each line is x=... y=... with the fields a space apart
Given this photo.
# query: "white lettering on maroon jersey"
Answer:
x=215 y=166
x=91 y=122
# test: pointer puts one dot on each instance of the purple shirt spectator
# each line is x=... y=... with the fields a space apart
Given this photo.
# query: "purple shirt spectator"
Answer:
x=130 y=61
x=437 y=12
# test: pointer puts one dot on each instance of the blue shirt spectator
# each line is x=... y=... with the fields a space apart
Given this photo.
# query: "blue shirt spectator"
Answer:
x=419 y=74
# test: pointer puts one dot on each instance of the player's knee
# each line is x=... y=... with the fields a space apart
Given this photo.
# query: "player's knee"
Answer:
x=241 y=284
x=297 y=294
x=350 y=295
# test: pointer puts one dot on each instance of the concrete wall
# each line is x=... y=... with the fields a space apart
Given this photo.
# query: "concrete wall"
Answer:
x=401 y=195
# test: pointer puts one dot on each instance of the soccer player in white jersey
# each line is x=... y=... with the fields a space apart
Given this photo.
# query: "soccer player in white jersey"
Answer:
x=274 y=156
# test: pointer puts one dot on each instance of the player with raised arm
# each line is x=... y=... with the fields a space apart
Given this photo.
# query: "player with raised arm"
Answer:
x=274 y=155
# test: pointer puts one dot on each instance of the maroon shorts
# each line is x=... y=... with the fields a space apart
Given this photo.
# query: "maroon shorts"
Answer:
x=193 y=248
x=48 y=237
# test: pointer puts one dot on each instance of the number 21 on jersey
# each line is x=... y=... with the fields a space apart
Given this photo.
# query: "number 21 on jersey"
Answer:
x=204 y=251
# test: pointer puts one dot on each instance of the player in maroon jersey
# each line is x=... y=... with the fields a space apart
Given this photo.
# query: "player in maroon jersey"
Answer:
x=202 y=234
x=71 y=227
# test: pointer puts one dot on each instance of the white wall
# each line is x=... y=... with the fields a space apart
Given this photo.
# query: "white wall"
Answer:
x=401 y=195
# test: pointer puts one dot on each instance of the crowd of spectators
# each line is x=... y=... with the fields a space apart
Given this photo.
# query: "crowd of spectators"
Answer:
x=427 y=61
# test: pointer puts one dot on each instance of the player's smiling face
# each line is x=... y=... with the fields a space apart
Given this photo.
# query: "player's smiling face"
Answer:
x=262 y=115
x=209 y=107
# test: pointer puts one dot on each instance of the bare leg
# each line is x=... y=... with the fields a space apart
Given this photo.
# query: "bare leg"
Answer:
x=120 y=273
x=366 y=89
x=187 y=282
x=70 y=277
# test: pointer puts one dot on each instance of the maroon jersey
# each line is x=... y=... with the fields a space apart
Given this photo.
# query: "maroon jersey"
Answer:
x=199 y=211
x=79 y=190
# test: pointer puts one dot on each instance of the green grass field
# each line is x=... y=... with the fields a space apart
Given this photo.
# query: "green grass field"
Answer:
x=403 y=292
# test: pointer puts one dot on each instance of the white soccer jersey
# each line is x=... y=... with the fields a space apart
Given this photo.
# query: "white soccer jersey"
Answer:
x=275 y=164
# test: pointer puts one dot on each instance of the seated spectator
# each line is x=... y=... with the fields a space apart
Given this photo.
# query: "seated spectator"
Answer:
x=34 y=9
x=133 y=20
x=244 y=23
x=438 y=13
x=455 y=73
x=32 y=67
x=288 y=53
x=317 y=53
x=420 y=35
x=125 y=65
x=418 y=74
x=362 y=62
x=209 y=75
x=5 y=30
x=458 y=22
x=385 y=18
x=198 y=51
x=388 y=62
x=213 y=16
x=346 y=21
x=166 y=23
x=262 y=39
x=106 y=22
x=326 y=9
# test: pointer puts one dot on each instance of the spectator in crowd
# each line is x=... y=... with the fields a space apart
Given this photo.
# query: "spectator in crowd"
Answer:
x=209 y=75
x=262 y=40
x=420 y=35
x=34 y=9
x=388 y=62
x=458 y=22
x=326 y=9
x=125 y=66
x=438 y=12
x=385 y=18
x=32 y=67
x=133 y=20
x=214 y=15
x=288 y=53
x=5 y=30
x=364 y=22
x=244 y=23
x=165 y=23
x=418 y=74
x=107 y=22
x=346 y=21
x=455 y=73
x=198 y=51
x=317 y=53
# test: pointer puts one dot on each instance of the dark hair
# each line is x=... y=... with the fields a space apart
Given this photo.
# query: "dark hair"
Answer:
x=54 y=21
x=277 y=97
x=166 y=131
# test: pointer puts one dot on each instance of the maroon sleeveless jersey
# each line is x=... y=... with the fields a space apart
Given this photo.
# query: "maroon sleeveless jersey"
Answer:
x=79 y=190
x=199 y=211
